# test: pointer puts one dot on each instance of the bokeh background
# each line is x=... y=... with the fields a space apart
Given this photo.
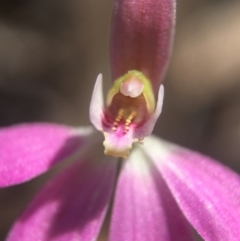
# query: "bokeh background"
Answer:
x=52 y=51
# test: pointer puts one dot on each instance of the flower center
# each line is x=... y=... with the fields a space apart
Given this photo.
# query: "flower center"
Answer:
x=130 y=113
x=127 y=121
x=129 y=103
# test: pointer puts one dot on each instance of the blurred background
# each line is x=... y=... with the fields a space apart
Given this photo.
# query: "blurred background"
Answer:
x=52 y=51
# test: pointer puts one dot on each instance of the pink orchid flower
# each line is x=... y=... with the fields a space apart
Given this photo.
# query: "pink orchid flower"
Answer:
x=159 y=190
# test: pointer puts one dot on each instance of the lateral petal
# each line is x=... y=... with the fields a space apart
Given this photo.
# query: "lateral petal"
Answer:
x=207 y=192
x=27 y=150
x=144 y=209
x=71 y=207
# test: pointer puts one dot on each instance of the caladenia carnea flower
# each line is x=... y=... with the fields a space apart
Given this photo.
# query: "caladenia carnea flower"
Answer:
x=141 y=41
x=159 y=192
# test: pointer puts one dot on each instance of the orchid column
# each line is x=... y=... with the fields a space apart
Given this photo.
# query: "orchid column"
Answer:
x=141 y=38
x=141 y=42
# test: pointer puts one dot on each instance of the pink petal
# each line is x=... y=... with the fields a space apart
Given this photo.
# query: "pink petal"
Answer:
x=207 y=192
x=97 y=104
x=144 y=209
x=28 y=150
x=71 y=207
x=141 y=37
